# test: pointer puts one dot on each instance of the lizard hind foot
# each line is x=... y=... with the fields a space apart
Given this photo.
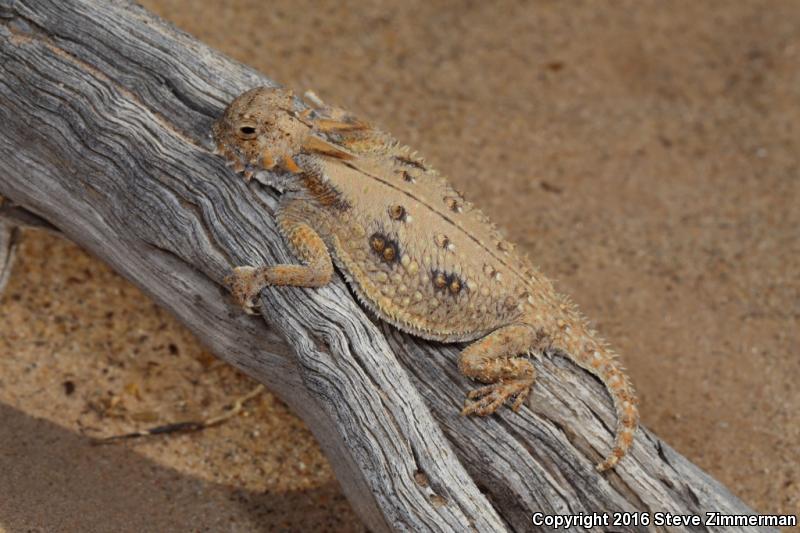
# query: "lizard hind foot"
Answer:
x=245 y=287
x=486 y=400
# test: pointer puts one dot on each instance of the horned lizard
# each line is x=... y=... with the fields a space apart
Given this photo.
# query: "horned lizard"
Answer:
x=414 y=251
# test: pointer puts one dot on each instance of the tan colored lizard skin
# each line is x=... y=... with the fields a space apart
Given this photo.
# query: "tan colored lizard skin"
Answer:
x=413 y=249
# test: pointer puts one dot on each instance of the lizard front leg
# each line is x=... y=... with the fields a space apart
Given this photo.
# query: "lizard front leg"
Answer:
x=495 y=359
x=246 y=282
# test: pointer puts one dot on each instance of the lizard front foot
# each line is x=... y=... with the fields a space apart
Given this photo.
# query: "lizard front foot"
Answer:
x=245 y=287
x=490 y=398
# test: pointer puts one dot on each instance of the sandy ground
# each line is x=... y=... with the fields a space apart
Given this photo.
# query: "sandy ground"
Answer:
x=644 y=153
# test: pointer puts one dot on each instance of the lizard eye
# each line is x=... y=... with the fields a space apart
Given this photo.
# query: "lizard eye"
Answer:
x=247 y=132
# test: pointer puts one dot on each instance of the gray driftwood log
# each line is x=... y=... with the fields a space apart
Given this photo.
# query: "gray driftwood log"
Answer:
x=105 y=114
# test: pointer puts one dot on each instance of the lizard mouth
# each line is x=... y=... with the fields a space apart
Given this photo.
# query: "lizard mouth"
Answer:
x=237 y=160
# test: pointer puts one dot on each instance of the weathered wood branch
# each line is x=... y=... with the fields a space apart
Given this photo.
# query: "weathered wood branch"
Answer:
x=9 y=238
x=12 y=220
x=106 y=112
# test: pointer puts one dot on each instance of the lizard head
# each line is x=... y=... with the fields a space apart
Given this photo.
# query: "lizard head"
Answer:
x=260 y=130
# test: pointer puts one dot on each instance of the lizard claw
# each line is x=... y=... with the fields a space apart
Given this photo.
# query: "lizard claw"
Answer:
x=244 y=287
x=490 y=398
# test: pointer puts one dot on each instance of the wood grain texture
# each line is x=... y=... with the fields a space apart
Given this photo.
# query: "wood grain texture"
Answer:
x=9 y=238
x=106 y=112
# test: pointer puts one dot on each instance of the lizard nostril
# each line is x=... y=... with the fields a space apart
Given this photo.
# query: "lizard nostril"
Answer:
x=247 y=130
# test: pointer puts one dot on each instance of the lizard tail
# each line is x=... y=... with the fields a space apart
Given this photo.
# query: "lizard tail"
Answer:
x=604 y=363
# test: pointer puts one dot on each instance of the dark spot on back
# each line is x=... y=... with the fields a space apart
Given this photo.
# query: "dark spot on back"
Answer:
x=455 y=286
x=387 y=249
x=453 y=204
x=449 y=282
x=408 y=178
x=377 y=242
x=397 y=212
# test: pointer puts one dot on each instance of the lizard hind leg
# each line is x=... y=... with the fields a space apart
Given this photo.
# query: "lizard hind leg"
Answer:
x=495 y=360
